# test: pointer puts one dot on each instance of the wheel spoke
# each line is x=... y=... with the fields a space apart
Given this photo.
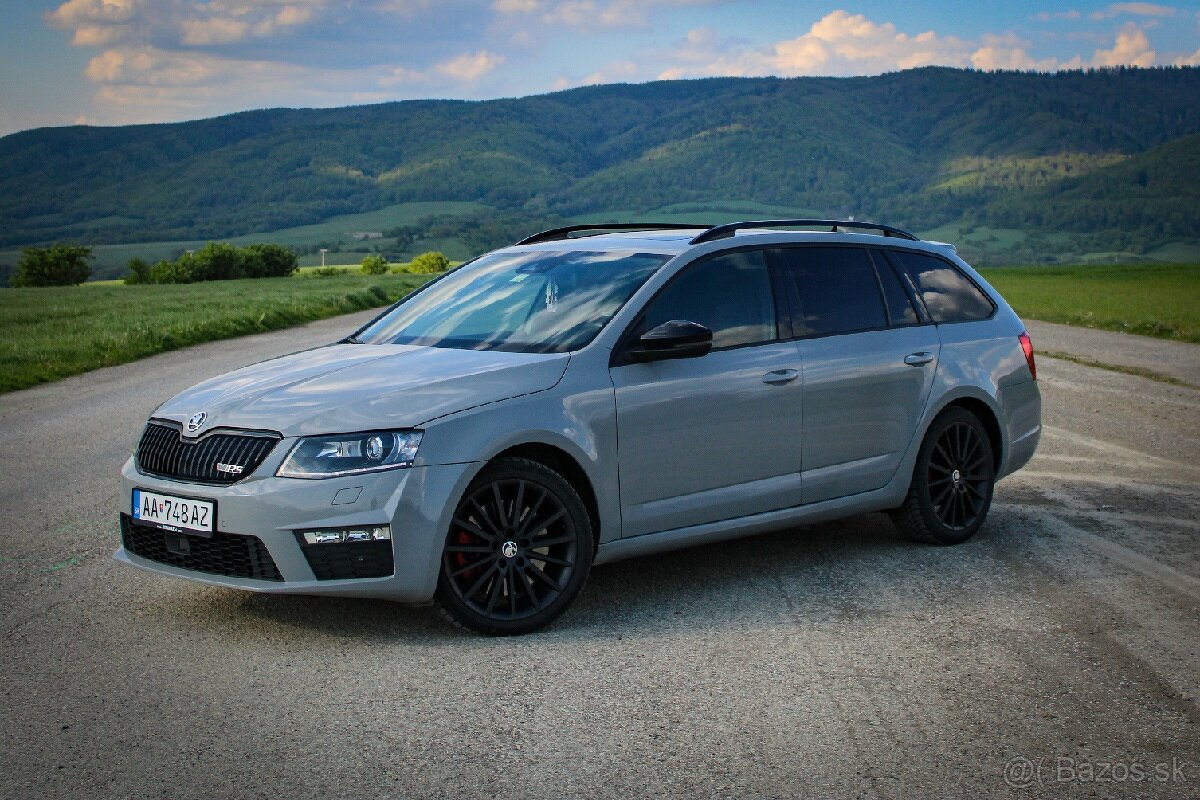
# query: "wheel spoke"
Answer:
x=527 y=584
x=487 y=519
x=501 y=517
x=516 y=509
x=468 y=548
x=539 y=543
x=528 y=518
x=480 y=581
x=553 y=584
x=555 y=517
x=940 y=481
x=949 y=461
x=473 y=529
x=497 y=586
x=941 y=499
x=549 y=559
x=511 y=587
x=469 y=567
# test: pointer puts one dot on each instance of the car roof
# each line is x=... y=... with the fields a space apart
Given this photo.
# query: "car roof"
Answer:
x=675 y=241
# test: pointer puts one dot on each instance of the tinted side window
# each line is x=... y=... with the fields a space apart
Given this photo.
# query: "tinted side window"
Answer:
x=899 y=304
x=834 y=290
x=947 y=293
x=730 y=295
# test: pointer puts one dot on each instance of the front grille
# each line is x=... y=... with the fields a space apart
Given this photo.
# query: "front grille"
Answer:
x=229 y=554
x=332 y=562
x=164 y=452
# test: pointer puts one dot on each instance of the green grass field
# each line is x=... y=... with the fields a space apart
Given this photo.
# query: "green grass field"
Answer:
x=47 y=334
x=1160 y=300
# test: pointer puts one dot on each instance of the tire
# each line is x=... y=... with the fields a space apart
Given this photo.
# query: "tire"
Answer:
x=518 y=550
x=952 y=484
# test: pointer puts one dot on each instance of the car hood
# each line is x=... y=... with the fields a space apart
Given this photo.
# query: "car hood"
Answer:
x=352 y=387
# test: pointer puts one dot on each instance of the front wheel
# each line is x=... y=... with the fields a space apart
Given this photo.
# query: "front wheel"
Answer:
x=952 y=482
x=518 y=550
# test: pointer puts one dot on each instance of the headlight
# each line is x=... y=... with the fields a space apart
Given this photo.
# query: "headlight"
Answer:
x=350 y=454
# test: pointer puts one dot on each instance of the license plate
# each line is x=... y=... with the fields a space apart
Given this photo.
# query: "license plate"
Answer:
x=174 y=513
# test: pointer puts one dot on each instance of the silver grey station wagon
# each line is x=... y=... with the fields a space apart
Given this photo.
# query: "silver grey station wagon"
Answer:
x=590 y=394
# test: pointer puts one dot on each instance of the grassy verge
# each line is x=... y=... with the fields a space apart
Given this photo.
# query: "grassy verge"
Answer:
x=47 y=334
x=1160 y=300
x=1140 y=372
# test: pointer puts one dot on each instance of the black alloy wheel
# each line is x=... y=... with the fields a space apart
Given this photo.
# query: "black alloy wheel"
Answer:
x=518 y=550
x=952 y=483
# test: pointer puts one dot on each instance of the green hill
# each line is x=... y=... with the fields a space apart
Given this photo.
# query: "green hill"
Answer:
x=1108 y=156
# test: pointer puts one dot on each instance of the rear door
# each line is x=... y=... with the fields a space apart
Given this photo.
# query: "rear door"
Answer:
x=715 y=437
x=868 y=361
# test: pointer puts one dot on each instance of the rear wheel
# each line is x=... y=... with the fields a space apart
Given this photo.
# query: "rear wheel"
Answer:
x=518 y=550
x=952 y=483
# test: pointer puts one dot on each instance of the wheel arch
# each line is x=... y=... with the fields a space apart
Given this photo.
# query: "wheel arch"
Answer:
x=987 y=417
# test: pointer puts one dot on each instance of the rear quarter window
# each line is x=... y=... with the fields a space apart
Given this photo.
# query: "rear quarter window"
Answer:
x=949 y=296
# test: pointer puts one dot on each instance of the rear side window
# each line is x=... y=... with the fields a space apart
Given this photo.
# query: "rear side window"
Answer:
x=899 y=304
x=947 y=293
x=833 y=290
x=729 y=294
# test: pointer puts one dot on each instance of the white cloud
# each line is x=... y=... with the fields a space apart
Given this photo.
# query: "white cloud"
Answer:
x=591 y=14
x=470 y=67
x=214 y=30
x=839 y=43
x=1190 y=61
x=1132 y=47
x=1048 y=16
x=1135 y=10
x=1008 y=52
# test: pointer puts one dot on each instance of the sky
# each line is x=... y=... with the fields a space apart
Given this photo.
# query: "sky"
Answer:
x=115 y=62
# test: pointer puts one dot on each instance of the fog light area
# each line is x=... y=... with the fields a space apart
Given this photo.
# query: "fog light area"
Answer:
x=342 y=535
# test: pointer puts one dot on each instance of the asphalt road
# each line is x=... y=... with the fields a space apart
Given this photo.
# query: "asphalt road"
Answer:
x=1054 y=655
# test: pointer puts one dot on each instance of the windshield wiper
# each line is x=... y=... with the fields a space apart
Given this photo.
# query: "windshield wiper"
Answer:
x=351 y=340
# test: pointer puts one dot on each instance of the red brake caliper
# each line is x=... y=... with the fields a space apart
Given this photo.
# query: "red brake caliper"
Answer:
x=460 y=559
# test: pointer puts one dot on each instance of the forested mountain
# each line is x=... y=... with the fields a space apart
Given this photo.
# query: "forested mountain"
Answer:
x=1098 y=153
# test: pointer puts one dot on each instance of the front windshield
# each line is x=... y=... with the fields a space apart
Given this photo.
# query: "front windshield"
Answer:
x=530 y=302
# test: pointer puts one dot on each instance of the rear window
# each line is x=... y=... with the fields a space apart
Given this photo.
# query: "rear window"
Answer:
x=948 y=295
x=834 y=290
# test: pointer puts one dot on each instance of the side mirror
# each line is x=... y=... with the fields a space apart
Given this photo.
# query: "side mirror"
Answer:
x=674 y=339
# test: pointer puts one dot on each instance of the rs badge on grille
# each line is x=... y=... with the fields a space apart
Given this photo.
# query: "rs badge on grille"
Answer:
x=229 y=469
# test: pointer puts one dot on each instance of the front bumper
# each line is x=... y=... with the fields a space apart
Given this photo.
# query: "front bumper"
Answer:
x=416 y=502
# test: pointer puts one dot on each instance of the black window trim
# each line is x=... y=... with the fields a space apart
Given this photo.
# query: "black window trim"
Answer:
x=881 y=261
x=782 y=310
x=902 y=271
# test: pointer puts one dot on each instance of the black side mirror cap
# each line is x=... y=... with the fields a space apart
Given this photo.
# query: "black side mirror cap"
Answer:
x=674 y=339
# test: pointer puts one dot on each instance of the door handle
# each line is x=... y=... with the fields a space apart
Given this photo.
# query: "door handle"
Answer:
x=781 y=376
x=918 y=359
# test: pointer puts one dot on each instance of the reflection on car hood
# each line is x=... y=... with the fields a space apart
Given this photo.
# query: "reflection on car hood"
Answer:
x=353 y=387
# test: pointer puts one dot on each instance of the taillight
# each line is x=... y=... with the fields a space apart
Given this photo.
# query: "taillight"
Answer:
x=1027 y=348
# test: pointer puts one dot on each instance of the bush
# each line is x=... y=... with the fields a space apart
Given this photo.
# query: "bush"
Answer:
x=326 y=272
x=171 y=271
x=57 y=265
x=139 y=272
x=427 y=263
x=374 y=265
x=217 y=261
x=269 y=261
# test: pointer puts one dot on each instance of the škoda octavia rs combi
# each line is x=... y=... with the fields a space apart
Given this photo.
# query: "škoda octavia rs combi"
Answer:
x=577 y=399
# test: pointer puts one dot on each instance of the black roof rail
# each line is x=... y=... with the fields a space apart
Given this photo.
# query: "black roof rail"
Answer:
x=725 y=231
x=565 y=232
